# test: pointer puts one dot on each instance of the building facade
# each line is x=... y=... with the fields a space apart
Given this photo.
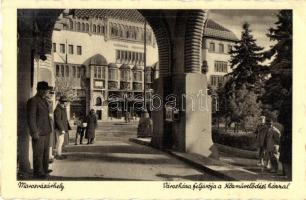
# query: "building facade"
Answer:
x=217 y=43
x=101 y=59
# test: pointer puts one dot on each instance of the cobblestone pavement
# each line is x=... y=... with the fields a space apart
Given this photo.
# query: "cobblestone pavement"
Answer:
x=113 y=157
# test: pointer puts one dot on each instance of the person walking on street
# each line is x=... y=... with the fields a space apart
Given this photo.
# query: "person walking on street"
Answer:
x=260 y=141
x=91 y=120
x=61 y=125
x=40 y=129
x=272 y=145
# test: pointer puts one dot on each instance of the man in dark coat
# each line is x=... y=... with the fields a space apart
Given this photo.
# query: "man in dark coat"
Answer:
x=61 y=125
x=40 y=129
x=91 y=126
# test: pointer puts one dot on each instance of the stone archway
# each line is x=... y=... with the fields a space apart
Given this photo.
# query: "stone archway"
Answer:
x=178 y=34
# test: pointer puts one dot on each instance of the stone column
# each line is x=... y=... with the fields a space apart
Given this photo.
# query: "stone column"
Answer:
x=192 y=131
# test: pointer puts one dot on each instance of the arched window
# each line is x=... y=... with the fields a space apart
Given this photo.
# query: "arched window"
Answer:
x=79 y=26
x=98 y=101
x=94 y=28
x=98 y=29
x=103 y=29
x=87 y=27
x=83 y=27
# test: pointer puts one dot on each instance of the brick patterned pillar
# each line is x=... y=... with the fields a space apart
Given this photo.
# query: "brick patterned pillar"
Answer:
x=193 y=40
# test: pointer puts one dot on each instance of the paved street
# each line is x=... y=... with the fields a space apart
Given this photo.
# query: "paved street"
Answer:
x=113 y=157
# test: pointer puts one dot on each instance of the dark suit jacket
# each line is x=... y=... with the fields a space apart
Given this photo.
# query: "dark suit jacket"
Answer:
x=38 y=116
x=60 y=119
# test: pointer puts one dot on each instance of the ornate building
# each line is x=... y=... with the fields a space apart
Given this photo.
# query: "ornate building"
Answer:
x=100 y=55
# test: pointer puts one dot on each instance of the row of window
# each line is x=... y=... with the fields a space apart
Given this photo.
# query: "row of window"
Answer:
x=99 y=73
x=86 y=27
x=221 y=48
x=220 y=66
x=70 y=48
x=116 y=30
x=130 y=33
x=74 y=71
x=129 y=57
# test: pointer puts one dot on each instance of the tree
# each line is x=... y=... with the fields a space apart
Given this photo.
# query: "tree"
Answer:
x=64 y=87
x=245 y=58
x=244 y=109
x=279 y=86
x=278 y=95
x=239 y=96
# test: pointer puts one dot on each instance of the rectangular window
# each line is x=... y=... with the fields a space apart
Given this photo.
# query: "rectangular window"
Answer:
x=211 y=47
x=125 y=55
x=62 y=48
x=79 y=50
x=82 y=71
x=62 y=71
x=129 y=56
x=221 y=48
x=112 y=74
x=67 y=71
x=117 y=54
x=70 y=50
x=96 y=72
x=121 y=56
x=229 y=48
x=220 y=66
x=57 y=70
x=54 y=47
x=74 y=71
x=216 y=80
x=99 y=72
x=79 y=72
x=103 y=72
x=133 y=57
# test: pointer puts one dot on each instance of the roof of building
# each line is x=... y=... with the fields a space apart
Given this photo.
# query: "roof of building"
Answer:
x=122 y=14
x=215 y=30
x=97 y=59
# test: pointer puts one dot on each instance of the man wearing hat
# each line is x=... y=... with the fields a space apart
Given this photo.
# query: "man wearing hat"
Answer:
x=61 y=125
x=40 y=129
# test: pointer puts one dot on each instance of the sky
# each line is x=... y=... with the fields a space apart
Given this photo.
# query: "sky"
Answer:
x=260 y=21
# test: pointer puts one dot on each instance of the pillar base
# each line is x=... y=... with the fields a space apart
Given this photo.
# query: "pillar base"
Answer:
x=193 y=129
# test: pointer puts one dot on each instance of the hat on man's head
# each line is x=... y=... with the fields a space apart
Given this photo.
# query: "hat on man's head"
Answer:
x=43 y=85
x=63 y=99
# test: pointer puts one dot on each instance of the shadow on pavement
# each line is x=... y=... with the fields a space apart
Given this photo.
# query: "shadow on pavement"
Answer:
x=110 y=149
x=117 y=159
